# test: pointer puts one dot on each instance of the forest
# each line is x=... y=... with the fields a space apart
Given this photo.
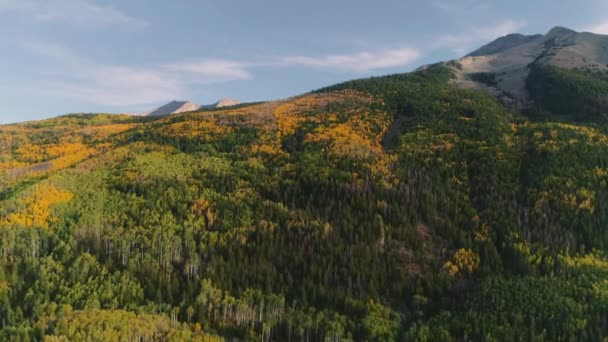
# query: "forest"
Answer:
x=395 y=208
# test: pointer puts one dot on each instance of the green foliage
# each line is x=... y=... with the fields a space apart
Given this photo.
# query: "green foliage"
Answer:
x=386 y=209
x=487 y=78
x=575 y=94
x=568 y=305
x=97 y=325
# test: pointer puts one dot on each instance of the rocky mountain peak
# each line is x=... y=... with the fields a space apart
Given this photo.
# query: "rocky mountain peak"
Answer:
x=503 y=66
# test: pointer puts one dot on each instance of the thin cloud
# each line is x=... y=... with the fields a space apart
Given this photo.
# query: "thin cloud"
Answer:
x=93 y=93
x=212 y=70
x=77 y=78
x=462 y=42
x=359 y=62
x=84 y=14
x=72 y=76
x=599 y=28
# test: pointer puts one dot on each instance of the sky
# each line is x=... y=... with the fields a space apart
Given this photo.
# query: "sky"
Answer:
x=109 y=56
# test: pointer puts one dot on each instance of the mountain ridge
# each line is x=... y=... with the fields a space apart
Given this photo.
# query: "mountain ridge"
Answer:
x=506 y=62
x=506 y=42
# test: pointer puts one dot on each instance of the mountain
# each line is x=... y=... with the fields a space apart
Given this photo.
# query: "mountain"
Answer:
x=506 y=65
x=174 y=107
x=504 y=43
x=224 y=103
x=412 y=207
x=177 y=107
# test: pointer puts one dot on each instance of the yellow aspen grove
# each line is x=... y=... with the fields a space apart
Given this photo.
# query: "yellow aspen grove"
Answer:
x=36 y=208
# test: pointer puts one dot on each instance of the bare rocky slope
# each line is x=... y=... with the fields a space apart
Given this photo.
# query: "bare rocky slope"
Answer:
x=503 y=66
x=176 y=107
x=223 y=103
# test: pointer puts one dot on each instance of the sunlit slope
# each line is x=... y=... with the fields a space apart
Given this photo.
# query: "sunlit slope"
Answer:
x=391 y=208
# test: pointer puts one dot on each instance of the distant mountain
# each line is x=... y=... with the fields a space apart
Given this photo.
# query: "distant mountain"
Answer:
x=226 y=103
x=176 y=107
x=222 y=103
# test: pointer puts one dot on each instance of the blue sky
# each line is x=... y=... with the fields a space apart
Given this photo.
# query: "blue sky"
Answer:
x=64 y=56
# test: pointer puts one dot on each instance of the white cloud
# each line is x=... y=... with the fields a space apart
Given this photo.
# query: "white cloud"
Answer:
x=71 y=76
x=76 y=78
x=68 y=75
x=463 y=42
x=80 y=13
x=359 y=62
x=600 y=28
x=212 y=70
x=118 y=97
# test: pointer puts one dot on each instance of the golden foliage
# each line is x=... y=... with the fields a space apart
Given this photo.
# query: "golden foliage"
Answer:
x=32 y=150
x=582 y=199
x=202 y=208
x=600 y=172
x=5 y=288
x=464 y=261
x=102 y=132
x=118 y=325
x=65 y=155
x=382 y=168
x=37 y=206
x=482 y=234
x=552 y=137
x=36 y=153
x=343 y=140
x=72 y=158
x=205 y=128
x=315 y=108
x=31 y=153
x=11 y=164
x=272 y=148
x=287 y=119
x=64 y=149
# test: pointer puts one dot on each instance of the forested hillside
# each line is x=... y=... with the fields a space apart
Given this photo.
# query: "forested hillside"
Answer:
x=387 y=209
